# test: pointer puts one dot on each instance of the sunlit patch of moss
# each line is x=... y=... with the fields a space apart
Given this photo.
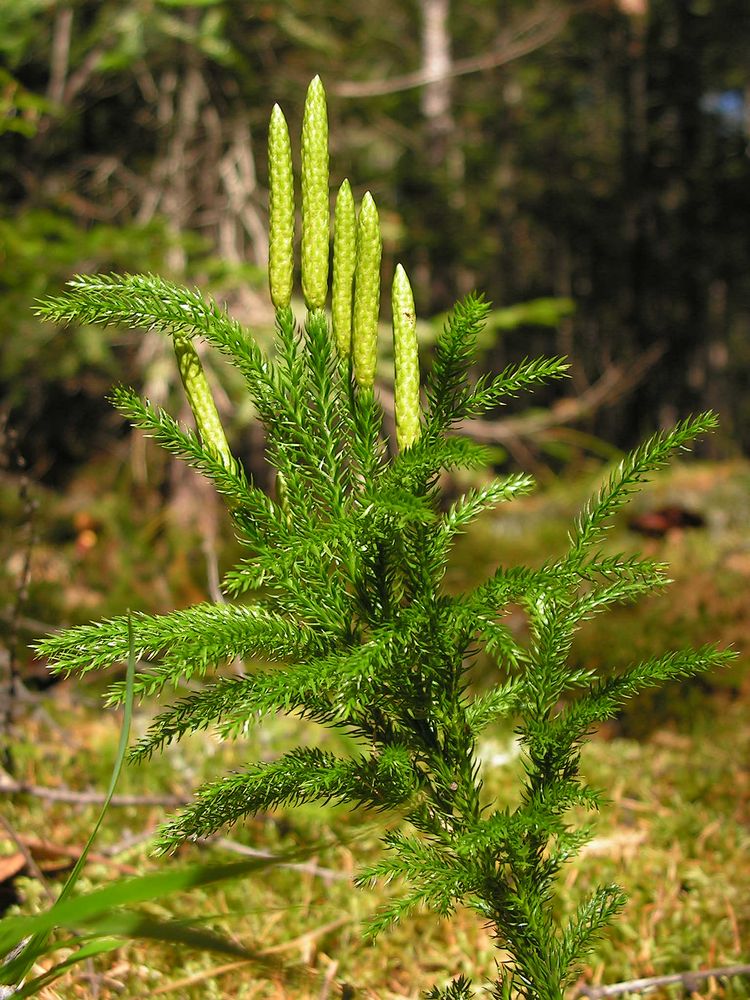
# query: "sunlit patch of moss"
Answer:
x=678 y=823
x=710 y=567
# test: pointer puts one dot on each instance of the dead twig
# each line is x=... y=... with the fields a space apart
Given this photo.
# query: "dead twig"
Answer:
x=44 y=850
x=308 y=936
x=325 y=990
x=77 y=80
x=33 y=625
x=308 y=868
x=93 y=798
x=128 y=843
x=265 y=960
x=60 y=54
x=23 y=848
x=199 y=977
x=690 y=980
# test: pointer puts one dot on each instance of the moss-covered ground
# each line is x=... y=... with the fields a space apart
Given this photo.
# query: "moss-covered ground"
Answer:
x=676 y=832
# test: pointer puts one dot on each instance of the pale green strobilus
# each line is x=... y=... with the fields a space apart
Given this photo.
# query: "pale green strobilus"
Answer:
x=367 y=293
x=344 y=264
x=200 y=398
x=315 y=196
x=280 y=211
x=406 y=361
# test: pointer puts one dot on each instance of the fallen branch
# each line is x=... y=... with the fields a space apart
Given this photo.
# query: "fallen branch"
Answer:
x=212 y=972
x=690 y=980
x=10 y=787
x=44 y=850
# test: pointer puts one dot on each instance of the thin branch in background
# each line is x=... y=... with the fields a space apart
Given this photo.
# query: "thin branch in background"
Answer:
x=612 y=385
x=33 y=625
x=689 y=980
x=60 y=54
x=67 y=854
x=212 y=973
x=296 y=973
x=616 y=382
x=308 y=936
x=530 y=35
x=94 y=798
x=325 y=990
x=238 y=177
x=78 y=80
x=128 y=843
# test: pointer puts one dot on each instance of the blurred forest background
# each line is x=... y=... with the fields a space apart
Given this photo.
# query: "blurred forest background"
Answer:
x=594 y=153
x=584 y=163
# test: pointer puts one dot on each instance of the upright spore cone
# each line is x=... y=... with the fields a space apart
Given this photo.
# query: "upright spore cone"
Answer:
x=344 y=263
x=315 y=210
x=406 y=360
x=281 y=211
x=367 y=293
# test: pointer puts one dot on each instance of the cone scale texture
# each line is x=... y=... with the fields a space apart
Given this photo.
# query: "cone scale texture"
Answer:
x=406 y=359
x=201 y=400
x=367 y=293
x=344 y=263
x=315 y=209
x=281 y=211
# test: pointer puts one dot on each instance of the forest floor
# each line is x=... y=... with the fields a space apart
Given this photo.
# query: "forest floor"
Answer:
x=675 y=832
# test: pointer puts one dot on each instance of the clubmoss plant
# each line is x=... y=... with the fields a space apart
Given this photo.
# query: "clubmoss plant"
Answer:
x=340 y=591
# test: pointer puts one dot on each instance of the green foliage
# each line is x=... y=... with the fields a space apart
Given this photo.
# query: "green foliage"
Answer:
x=40 y=249
x=101 y=921
x=20 y=109
x=343 y=573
